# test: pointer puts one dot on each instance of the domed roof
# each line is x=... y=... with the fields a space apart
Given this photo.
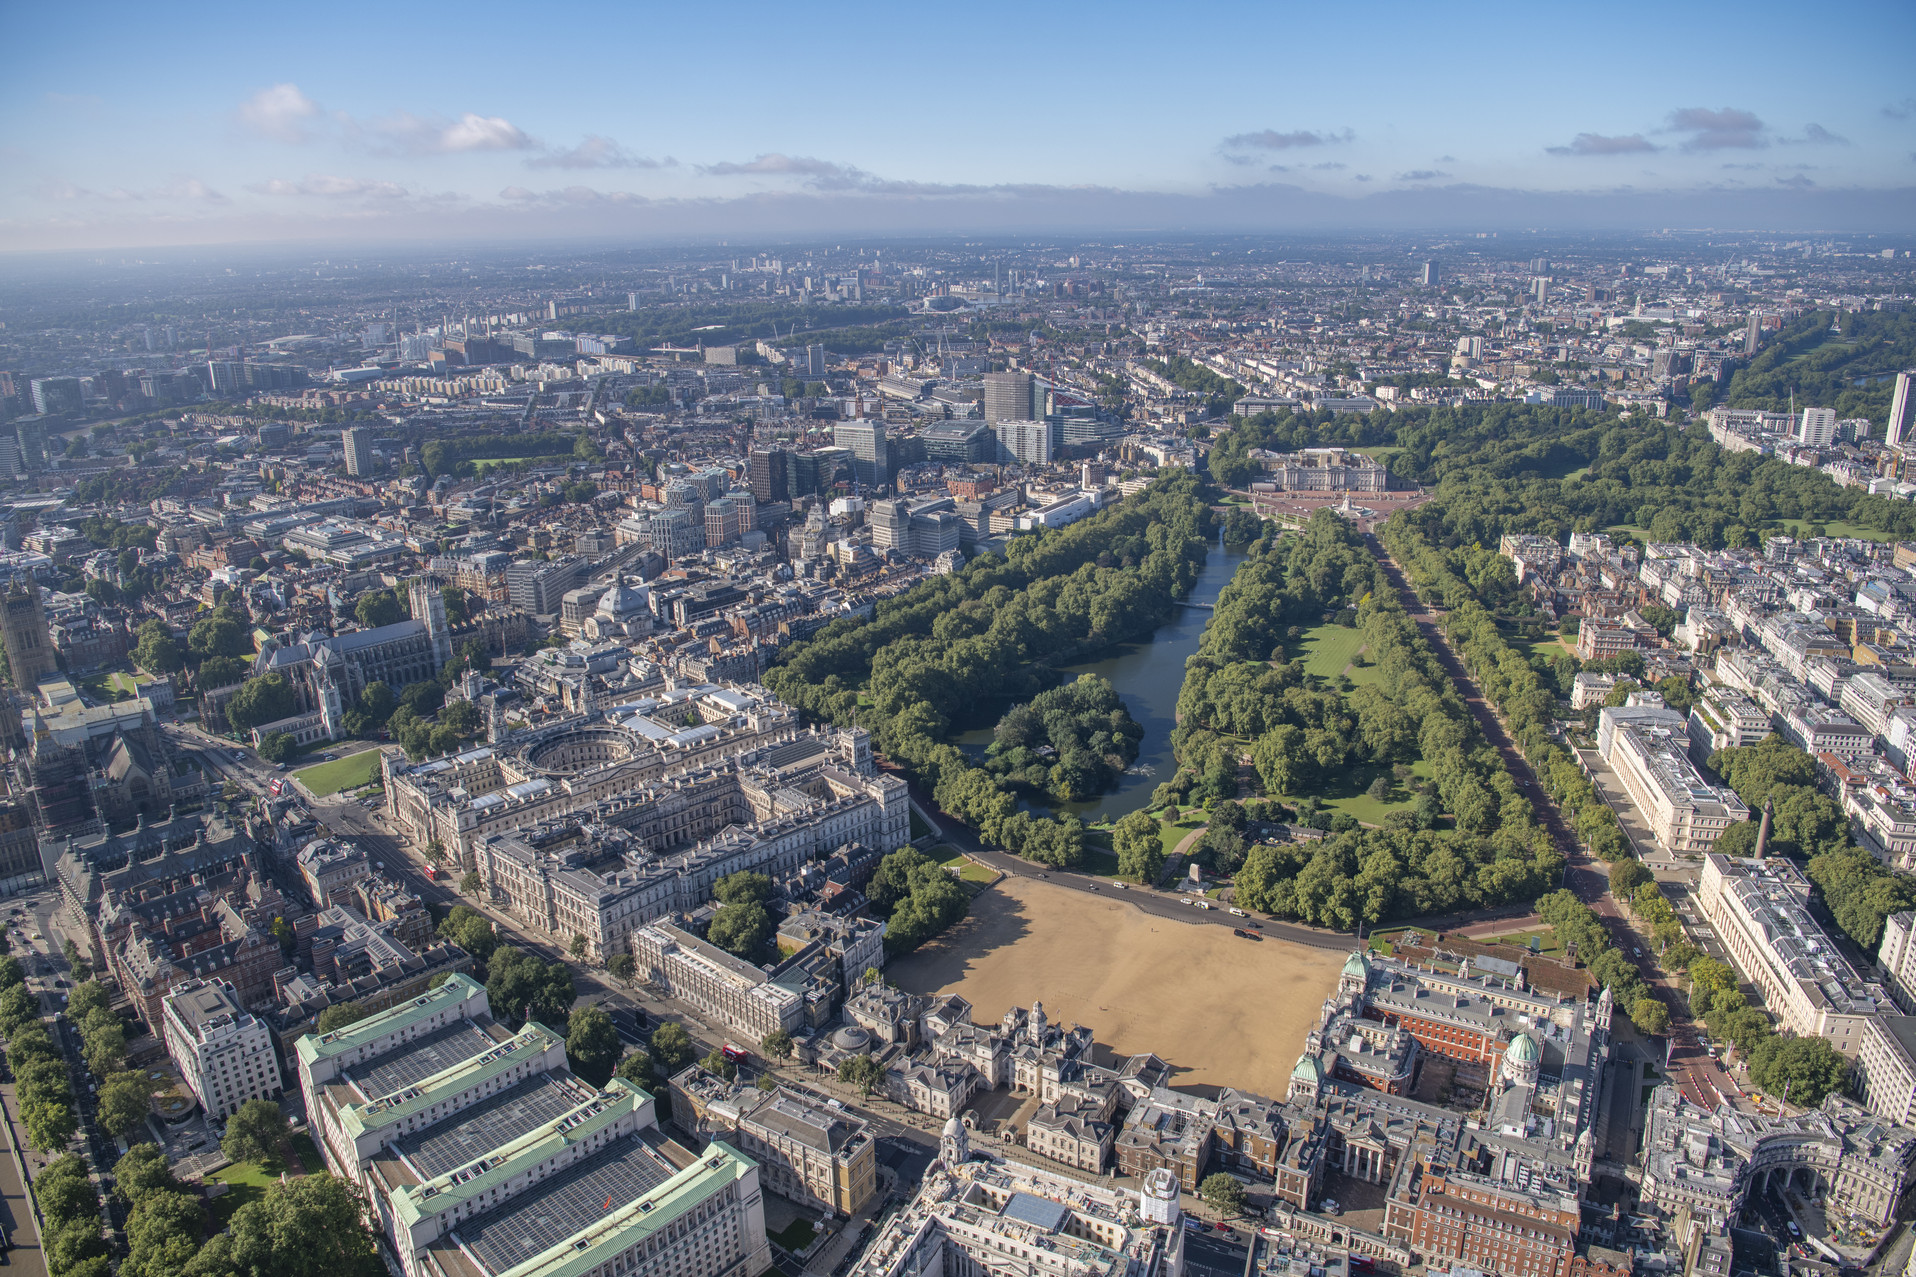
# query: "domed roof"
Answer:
x=1307 y=1070
x=1522 y=1049
x=953 y=1128
x=852 y=1038
x=621 y=601
x=1355 y=965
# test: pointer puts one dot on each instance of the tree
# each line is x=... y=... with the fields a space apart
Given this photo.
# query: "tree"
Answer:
x=521 y=986
x=592 y=1044
x=11 y=972
x=1650 y=1016
x=621 y=965
x=740 y=928
x=635 y=1067
x=313 y=1226
x=141 y=1170
x=578 y=946
x=1223 y=1193
x=743 y=888
x=862 y=1072
x=50 y=1123
x=1626 y=876
x=158 y=652
x=470 y=930
x=379 y=607
x=717 y=1065
x=162 y=1234
x=221 y=671
x=471 y=883
x=254 y=1133
x=221 y=632
x=277 y=747
x=1804 y=1069
x=123 y=1103
x=73 y=1243
x=377 y=702
x=1139 y=842
x=87 y=997
x=778 y=1044
x=262 y=700
x=339 y=1015
x=672 y=1048
x=16 y=1008
x=456 y=609
x=65 y=1192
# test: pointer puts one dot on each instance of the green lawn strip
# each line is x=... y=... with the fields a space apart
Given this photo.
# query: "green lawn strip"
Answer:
x=483 y=464
x=1329 y=648
x=1174 y=833
x=918 y=826
x=1801 y=528
x=1101 y=863
x=795 y=1236
x=1385 y=941
x=247 y=1182
x=342 y=773
x=309 y=1153
x=983 y=875
x=1356 y=801
x=945 y=854
x=1546 y=940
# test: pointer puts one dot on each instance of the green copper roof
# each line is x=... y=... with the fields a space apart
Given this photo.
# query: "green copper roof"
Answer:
x=1307 y=1070
x=1355 y=965
x=1522 y=1049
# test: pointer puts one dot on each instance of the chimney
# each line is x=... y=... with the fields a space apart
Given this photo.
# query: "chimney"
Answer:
x=1763 y=830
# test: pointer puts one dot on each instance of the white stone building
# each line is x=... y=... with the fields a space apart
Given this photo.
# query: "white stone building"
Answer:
x=225 y=1055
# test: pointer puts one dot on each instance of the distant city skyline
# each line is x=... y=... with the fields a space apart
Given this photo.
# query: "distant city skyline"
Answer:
x=228 y=124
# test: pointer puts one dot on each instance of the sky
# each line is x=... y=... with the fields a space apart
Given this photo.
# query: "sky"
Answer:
x=350 y=123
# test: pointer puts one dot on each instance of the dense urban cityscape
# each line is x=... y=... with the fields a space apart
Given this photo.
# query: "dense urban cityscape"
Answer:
x=958 y=644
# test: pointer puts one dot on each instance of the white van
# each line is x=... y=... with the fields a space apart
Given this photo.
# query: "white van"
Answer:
x=1238 y=913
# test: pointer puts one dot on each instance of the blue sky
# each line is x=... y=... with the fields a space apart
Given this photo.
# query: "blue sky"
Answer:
x=346 y=122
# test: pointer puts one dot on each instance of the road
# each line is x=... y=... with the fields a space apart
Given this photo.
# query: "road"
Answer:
x=1701 y=1079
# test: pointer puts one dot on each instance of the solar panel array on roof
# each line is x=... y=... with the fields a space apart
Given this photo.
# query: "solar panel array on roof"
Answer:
x=421 y=1058
x=1039 y=1212
x=533 y=1223
x=490 y=1124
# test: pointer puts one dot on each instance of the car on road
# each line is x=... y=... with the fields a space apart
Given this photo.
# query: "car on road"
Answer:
x=1185 y=900
x=1205 y=904
x=1091 y=887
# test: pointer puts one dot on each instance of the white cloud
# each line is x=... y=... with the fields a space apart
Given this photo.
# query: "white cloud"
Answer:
x=483 y=133
x=597 y=152
x=327 y=186
x=280 y=112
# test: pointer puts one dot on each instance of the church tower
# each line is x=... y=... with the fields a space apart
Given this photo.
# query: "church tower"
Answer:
x=29 y=642
x=429 y=606
x=954 y=1145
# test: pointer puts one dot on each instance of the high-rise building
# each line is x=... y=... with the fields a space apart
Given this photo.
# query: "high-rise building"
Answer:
x=1011 y=396
x=1428 y=277
x=359 y=450
x=1817 y=427
x=1031 y=442
x=871 y=454
x=56 y=394
x=1902 y=409
x=771 y=474
x=814 y=361
x=29 y=642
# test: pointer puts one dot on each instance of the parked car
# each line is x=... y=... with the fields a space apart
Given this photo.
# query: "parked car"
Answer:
x=1239 y=913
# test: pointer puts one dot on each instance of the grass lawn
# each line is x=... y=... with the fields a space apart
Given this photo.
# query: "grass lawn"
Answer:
x=106 y=686
x=1801 y=528
x=1546 y=939
x=480 y=467
x=1174 y=832
x=1351 y=797
x=918 y=826
x=975 y=872
x=308 y=1153
x=1548 y=648
x=795 y=1236
x=1329 y=648
x=1628 y=530
x=1102 y=863
x=945 y=854
x=248 y=1183
x=1380 y=452
x=342 y=773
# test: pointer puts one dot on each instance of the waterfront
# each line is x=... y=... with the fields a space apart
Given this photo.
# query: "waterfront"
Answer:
x=1148 y=675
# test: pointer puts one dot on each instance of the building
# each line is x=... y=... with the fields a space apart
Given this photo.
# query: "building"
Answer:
x=1842 y=1155
x=961 y=443
x=771 y=474
x=331 y=868
x=870 y=452
x=1760 y=911
x=1011 y=396
x=1428 y=275
x=737 y=994
x=1902 y=410
x=1030 y=442
x=224 y=1055
x=1321 y=470
x=810 y=1153
x=1817 y=427
x=1646 y=746
x=1896 y=956
x=29 y=643
x=358 y=441
x=482 y=1155
x=974 y=1217
x=539 y=586
x=329 y=674
x=1885 y=1071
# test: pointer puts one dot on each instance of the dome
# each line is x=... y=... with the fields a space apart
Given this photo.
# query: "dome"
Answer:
x=1355 y=965
x=1522 y=1050
x=953 y=1129
x=852 y=1038
x=621 y=602
x=1308 y=1070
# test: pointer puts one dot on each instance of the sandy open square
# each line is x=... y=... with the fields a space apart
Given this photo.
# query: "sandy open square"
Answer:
x=1223 y=1011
